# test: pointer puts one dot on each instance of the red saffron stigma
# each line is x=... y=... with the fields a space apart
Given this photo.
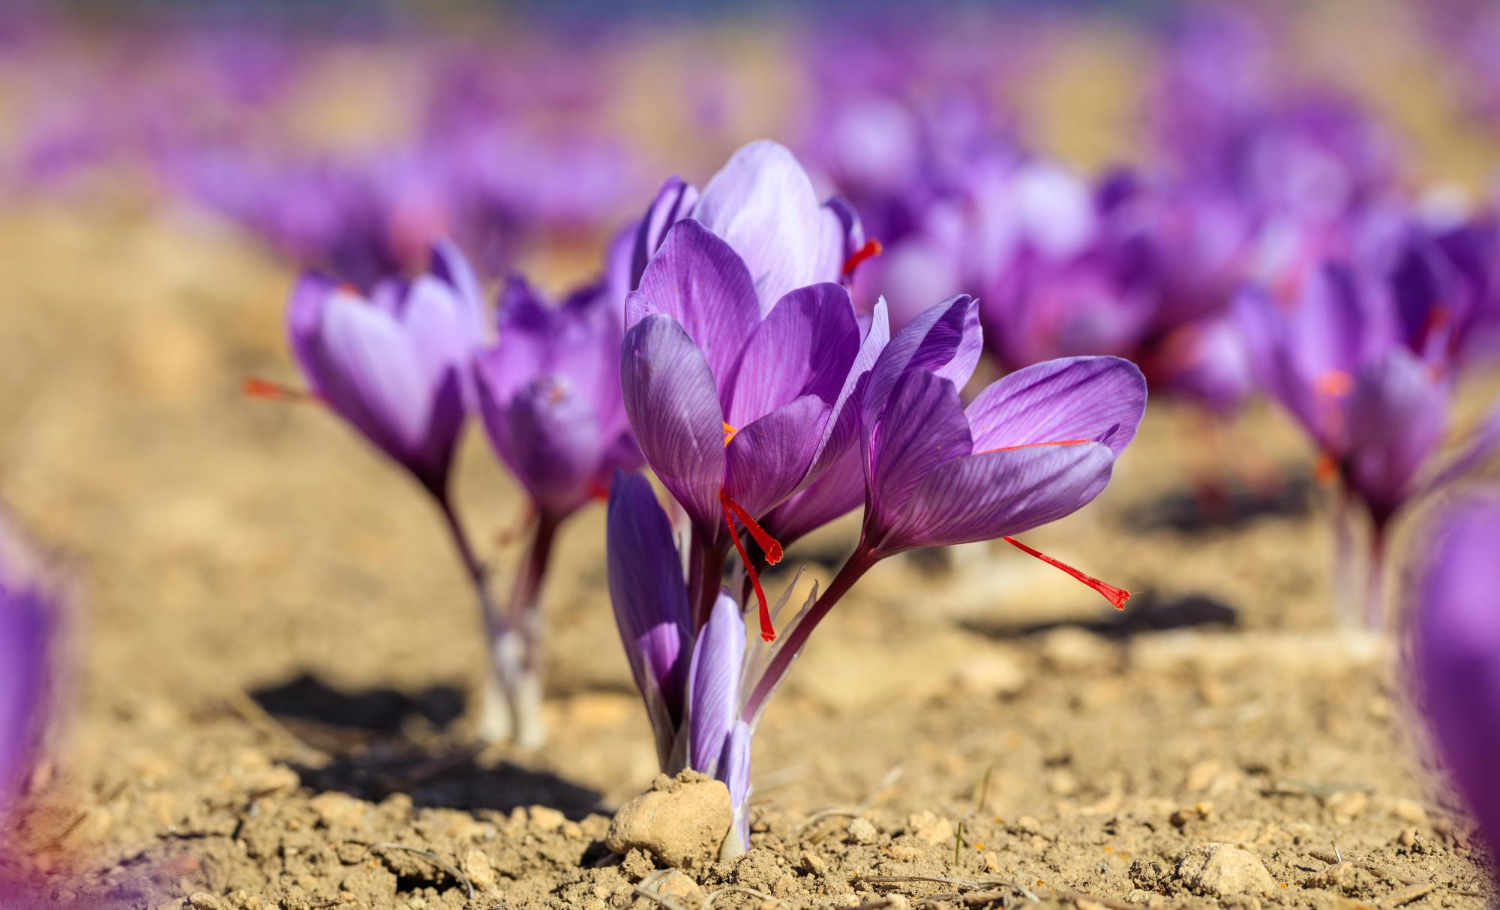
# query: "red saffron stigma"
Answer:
x=1032 y=445
x=254 y=387
x=767 y=544
x=1114 y=595
x=870 y=250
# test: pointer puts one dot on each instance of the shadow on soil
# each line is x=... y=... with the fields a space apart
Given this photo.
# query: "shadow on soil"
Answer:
x=384 y=741
x=1146 y=612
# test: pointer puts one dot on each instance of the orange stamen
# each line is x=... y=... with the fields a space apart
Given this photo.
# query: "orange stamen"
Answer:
x=1114 y=595
x=1334 y=383
x=870 y=250
x=1325 y=469
x=768 y=546
x=254 y=387
x=729 y=432
x=1032 y=445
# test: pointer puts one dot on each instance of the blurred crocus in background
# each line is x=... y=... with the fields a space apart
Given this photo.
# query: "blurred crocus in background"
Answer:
x=1455 y=653
x=28 y=633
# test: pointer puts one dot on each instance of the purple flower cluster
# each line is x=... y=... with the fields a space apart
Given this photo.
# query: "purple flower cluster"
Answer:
x=761 y=413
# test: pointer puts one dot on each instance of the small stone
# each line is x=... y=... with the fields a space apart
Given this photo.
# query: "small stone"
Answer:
x=1084 y=903
x=681 y=821
x=1346 y=805
x=1407 y=838
x=1028 y=825
x=927 y=827
x=546 y=818
x=897 y=902
x=1072 y=650
x=990 y=676
x=812 y=862
x=677 y=885
x=904 y=853
x=991 y=861
x=479 y=872
x=637 y=865
x=1411 y=812
x=202 y=900
x=339 y=810
x=1221 y=870
x=863 y=831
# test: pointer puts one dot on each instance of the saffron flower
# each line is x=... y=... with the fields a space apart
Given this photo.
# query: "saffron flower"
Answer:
x=1337 y=358
x=735 y=402
x=28 y=629
x=1030 y=449
x=549 y=398
x=762 y=204
x=1456 y=656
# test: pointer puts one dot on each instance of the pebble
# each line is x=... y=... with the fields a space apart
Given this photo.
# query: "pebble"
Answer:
x=681 y=821
x=1071 y=650
x=1411 y=812
x=202 y=900
x=546 y=818
x=990 y=675
x=1347 y=805
x=812 y=862
x=479 y=872
x=863 y=831
x=927 y=827
x=675 y=884
x=339 y=810
x=1222 y=870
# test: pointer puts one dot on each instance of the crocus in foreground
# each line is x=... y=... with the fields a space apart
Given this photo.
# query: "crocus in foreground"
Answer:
x=1456 y=656
x=1032 y=448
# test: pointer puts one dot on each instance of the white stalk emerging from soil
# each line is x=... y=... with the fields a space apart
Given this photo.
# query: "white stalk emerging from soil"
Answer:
x=510 y=701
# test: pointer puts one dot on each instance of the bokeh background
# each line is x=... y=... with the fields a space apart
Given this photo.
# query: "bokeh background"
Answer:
x=271 y=645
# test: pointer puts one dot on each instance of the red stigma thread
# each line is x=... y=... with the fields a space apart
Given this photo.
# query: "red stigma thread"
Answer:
x=265 y=389
x=1114 y=595
x=870 y=250
x=1032 y=445
x=768 y=546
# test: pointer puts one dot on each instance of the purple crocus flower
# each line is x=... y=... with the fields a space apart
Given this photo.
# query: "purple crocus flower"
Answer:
x=395 y=363
x=763 y=205
x=1337 y=359
x=1456 y=656
x=1030 y=449
x=735 y=399
x=28 y=621
x=549 y=394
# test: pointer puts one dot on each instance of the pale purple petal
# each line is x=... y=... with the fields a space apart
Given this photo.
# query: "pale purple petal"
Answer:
x=805 y=346
x=650 y=601
x=714 y=687
x=842 y=429
x=674 y=412
x=1396 y=415
x=304 y=323
x=698 y=280
x=944 y=339
x=734 y=771
x=673 y=202
x=1456 y=657
x=994 y=494
x=549 y=436
x=1095 y=398
x=768 y=460
x=923 y=427
x=763 y=203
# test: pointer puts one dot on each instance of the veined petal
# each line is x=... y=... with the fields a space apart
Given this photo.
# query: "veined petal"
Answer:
x=843 y=426
x=923 y=427
x=1096 y=398
x=767 y=460
x=944 y=340
x=674 y=412
x=714 y=687
x=838 y=491
x=673 y=202
x=650 y=601
x=763 y=203
x=804 y=346
x=549 y=436
x=701 y=282
x=1396 y=415
x=994 y=494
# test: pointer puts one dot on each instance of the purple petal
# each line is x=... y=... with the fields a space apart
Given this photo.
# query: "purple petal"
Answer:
x=26 y=633
x=1329 y=324
x=763 y=203
x=1396 y=415
x=304 y=322
x=734 y=771
x=838 y=491
x=674 y=412
x=994 y=494
x=923 y=427
x=650 y=601
x=548 y=435
x=768 y=460
x=1097 y=398
x=449 y=265
x=1456 y=656
x=714 y=690
x=698 y=279
x=673 y=202
x=805 y=346
x=944 y=340
x=842 y=428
